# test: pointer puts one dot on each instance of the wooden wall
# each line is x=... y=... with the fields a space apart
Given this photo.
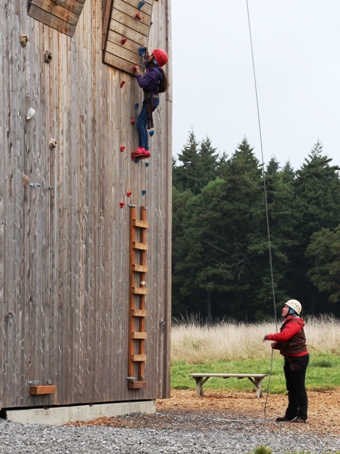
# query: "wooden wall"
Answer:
x=64 y=252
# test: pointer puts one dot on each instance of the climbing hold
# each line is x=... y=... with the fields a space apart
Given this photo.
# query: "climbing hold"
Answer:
x=136 y=106
x=128 y=193
x=122 y=83
x=25 y=180
x=30 y=113
x=124 y=40
x=23 y=40
x=141 y=50
x=143 y=192
x=132 y=121
x=147 y=164
x=151 y=23
x=35 y=185
x=122 y=148
x=50 y=188
x=48 y=56
x=121 y=204
x=141 y=4
x=151 y=132
x=53 y=143
x=136 y=160
x=138 y=16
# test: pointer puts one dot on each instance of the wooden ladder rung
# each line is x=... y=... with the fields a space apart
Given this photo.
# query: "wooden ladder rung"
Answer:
x=139 y=268
x=137 y=335
x=140 y=246
x=137 y=384
x=139 y=291
x=141 y=224
x=138 y=313
x=138 y=358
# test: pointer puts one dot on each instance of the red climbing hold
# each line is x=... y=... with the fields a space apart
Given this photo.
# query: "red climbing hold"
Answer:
x=122 y=148
x=128 y=193
x=124 y=40
x=121 y=204
x=133 y=121
x=122 y=83
x=138 y=16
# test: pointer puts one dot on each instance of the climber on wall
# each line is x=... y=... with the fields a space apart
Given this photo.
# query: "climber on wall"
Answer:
x=153 y=82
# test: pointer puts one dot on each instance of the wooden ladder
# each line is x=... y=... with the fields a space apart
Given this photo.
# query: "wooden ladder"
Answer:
x=138 y=292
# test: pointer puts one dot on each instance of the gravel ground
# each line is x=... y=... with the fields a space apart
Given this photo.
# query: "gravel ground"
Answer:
x=219 y=423
x=220 y=435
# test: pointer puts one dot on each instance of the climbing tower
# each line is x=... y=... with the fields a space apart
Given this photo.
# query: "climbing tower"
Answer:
x=84 y=273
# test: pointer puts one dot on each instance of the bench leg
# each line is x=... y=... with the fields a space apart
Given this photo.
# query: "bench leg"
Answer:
x=199 y=383
x=258 y=383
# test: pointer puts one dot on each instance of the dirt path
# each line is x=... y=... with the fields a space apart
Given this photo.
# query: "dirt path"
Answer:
x=184 y=410
x=324 y=407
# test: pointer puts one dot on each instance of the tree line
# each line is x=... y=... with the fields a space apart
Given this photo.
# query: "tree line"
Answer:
x=247 y=237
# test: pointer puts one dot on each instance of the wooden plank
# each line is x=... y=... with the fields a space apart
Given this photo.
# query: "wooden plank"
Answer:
x=228 y=375
x=130 y=22
x=140 y=246
x=141 y=224
x=138 y=358
x=36 y=390
x=118 y=63
x=120 y=52
x=106 y=20
x=137 y=384
x=137 y=335
x=124 y=7
x=147 y=7
x=139 y=313
x=69 y=11
x=118 y=29
x=139 y=291
x=52 y=21
x=139 y=268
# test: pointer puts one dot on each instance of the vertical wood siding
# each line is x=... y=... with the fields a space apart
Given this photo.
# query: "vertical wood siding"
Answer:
x=64 y=252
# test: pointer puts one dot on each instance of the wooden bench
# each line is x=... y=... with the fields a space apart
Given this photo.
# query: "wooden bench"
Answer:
x=256 y=379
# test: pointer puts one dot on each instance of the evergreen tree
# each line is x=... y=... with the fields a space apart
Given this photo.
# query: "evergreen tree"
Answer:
x=324 y=254
x=184 y=175
x=317 y=205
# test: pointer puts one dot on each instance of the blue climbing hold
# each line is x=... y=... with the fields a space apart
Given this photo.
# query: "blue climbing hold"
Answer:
x=141 y=4
x=141 y=50
x=136 y=105
x=143 y=192
x=151 y=132
x=147 y=164
x=136 y=160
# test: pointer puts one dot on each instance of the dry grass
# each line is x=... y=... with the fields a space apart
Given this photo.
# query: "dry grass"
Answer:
x=227 y=341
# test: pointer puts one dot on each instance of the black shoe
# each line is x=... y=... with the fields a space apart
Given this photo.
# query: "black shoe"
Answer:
x=298 y=420
x=282 y=419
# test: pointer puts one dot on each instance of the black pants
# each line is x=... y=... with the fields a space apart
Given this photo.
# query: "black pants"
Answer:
x=295 y=373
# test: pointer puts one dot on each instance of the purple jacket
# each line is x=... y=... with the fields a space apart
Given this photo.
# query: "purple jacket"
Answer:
x=149 y=82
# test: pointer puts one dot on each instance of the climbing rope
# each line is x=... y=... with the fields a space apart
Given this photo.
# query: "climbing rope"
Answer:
x=265 y=198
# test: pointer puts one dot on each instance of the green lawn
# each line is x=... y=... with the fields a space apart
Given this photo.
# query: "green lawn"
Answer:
x=322 y=374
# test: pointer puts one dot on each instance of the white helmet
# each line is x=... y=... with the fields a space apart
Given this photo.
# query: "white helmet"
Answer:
x=295 y=305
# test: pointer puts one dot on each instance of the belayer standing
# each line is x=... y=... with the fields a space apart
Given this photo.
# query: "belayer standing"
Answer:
x=153 y=82
x=291 y=341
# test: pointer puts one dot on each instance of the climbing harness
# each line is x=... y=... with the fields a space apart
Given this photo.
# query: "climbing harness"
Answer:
x=266 y=199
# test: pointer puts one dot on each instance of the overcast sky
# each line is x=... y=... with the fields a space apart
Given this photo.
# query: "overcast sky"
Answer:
x=296 y=47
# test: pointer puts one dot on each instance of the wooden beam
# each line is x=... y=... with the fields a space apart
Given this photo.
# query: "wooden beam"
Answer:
x=39 y=390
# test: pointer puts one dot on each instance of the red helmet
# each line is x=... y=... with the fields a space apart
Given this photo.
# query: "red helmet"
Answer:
x=161 y=57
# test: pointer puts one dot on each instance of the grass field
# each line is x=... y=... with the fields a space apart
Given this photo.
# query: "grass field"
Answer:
x=238 y=348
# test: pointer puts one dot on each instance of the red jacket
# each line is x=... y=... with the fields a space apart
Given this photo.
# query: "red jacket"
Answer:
x=291 y=340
